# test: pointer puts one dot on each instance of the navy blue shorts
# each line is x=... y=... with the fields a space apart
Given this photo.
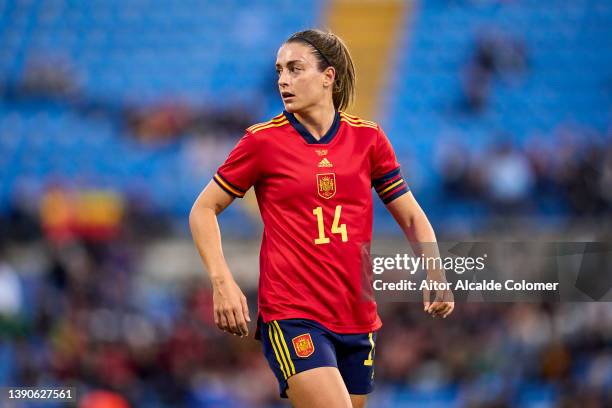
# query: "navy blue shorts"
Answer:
x=295 y=345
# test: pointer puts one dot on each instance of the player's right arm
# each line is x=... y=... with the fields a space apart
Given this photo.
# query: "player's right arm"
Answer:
x=231 y=311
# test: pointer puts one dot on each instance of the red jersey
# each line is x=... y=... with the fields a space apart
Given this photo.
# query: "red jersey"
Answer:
x=315 y=199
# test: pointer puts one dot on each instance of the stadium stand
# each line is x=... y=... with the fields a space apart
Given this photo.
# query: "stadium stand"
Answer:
x=84 y=86
x=110 y=55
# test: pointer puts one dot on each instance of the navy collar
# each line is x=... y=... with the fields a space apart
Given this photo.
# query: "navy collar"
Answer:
x=308 y=137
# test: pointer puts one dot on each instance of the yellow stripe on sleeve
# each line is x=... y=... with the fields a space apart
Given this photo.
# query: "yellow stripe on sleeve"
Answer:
x=276 y=119
x=284 y=122
x=227 y=186
x=358 y=125
x=357 y=120
x=400 y=181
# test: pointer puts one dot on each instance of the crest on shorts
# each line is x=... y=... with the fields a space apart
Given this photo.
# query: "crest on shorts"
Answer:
x=326 y=184
x=303 y=345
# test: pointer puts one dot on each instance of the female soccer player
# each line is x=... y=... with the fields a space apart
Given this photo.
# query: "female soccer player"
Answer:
x=313 y=168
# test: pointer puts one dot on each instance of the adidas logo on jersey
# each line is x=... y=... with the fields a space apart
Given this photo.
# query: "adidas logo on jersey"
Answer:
x=325 y=163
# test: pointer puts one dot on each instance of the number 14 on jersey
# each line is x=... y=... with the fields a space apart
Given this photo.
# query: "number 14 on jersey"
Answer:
x=336 y=228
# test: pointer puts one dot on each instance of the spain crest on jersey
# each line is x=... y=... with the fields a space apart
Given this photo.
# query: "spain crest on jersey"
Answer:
x=303 y=345
x=326 y=184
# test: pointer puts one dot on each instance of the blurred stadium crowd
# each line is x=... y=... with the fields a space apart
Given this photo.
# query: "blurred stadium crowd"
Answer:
x=112 y=120
x=570 y=176
x=487 y=104
x=84 y=314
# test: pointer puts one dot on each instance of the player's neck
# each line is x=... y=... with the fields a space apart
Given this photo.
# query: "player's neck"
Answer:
x=317 y=120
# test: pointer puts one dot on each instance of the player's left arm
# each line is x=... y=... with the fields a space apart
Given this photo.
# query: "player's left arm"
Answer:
x=418 y=230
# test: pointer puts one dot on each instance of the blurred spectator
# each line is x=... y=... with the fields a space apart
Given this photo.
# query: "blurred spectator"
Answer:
x=605 y=182
x=508 y=179
x=495 y=56
x=10 y=291
x=21 y=218
x=160 y=122
x=49 y=78
x=582 y=179
x=453 y=164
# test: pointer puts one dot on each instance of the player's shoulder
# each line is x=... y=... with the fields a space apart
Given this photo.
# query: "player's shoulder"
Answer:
x=265 y=127
x=357 y=122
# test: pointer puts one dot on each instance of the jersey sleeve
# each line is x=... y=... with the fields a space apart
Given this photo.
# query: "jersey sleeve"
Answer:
x=241 y=168
x=387 y=178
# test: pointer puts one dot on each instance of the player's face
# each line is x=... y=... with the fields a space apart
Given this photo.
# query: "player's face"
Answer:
x=300 y=82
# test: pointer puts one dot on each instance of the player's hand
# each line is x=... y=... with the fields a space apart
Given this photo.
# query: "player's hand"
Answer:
x=442 y=305
x=230 y=307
